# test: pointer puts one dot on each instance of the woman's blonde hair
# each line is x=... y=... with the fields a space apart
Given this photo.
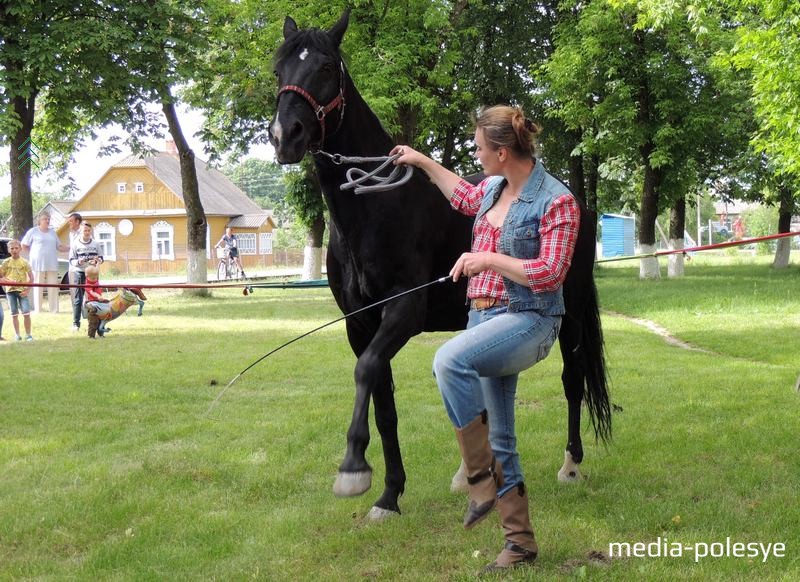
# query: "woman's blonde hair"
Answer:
x=506 y=126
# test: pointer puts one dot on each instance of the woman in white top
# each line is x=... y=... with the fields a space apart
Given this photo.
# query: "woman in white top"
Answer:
x=42 y=245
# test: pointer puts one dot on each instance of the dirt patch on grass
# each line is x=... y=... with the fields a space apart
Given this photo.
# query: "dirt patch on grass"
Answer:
x=661 y=332
x=593 y=558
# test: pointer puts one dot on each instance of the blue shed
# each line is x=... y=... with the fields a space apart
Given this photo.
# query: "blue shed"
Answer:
x=618 y=235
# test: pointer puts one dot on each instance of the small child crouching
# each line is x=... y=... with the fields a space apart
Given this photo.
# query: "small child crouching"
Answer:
x=98 y=310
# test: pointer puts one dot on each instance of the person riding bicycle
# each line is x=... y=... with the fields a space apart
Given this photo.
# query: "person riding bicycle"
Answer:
x=232 y=244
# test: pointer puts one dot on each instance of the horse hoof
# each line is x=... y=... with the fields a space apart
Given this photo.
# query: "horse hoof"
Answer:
x=459 y=482
x=352 y=484
x=380 y=514
x=569 y=472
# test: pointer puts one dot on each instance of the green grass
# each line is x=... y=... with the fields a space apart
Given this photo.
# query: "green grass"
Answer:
x=110 y=469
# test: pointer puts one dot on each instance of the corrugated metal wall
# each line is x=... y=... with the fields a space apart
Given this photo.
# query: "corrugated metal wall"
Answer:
x=618 y=235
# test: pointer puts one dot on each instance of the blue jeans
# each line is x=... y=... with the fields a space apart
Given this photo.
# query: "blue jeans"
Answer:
x=76 y=294
x=479 y=368
x=17 y=303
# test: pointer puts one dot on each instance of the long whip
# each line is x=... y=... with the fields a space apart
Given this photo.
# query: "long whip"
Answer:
x=306 y=334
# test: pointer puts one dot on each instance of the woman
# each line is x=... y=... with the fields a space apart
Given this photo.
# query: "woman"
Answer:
x=524 y=236
x=42 y=246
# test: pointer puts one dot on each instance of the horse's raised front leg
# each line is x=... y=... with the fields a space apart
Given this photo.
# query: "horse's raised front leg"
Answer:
x=355 y=474
x=374 y=377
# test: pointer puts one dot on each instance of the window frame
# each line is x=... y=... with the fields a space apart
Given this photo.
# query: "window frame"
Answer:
x=249 y=247
x=106 y=228
x=265 y=248
x=155 y=229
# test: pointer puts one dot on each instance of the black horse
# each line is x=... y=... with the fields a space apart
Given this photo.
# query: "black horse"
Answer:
x=383 y=244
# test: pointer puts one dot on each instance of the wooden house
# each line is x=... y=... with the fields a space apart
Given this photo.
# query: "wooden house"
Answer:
x=139 y=216
x=58 y=211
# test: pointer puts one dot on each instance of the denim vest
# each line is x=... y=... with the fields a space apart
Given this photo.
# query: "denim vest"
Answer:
x=519 y=235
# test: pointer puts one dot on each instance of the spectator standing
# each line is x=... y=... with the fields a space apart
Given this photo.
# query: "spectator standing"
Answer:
x=15 y=269
x=738 y=228
x=84 y=251
x=74 y=221
x=42 y=245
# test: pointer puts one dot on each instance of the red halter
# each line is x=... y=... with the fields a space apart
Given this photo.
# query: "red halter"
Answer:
x=320 y=111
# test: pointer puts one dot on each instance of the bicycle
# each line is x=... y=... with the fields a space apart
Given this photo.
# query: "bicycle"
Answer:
x=226 y=269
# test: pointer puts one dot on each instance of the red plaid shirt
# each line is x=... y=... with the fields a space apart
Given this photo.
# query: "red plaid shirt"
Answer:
x=558 y=230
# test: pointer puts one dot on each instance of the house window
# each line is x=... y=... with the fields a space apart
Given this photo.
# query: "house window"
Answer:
x=106 y=236
x=265 y=244
x=138 y=186
x=122 y=187
x=246 y=243
x=162 y=235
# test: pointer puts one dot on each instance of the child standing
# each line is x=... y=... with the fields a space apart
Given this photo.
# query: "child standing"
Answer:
x=15 y=269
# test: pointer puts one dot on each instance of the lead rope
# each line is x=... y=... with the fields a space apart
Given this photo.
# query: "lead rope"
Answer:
x=356 y=176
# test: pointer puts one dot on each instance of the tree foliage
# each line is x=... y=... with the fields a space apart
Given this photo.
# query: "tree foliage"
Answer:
x=643 y=102
x=638 y=82
x=59 y=80
x=768 y=46
x=263 y=182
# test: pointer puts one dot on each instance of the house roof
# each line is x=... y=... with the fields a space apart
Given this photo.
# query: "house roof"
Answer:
x=62 y=206
x=250 y=220
x=217 y=193
x=733 y=207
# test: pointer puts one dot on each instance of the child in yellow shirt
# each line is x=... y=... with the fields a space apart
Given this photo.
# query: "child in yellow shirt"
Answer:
x=15 y=269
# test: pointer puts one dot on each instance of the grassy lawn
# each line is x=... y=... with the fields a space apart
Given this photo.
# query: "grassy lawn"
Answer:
x=110 y=469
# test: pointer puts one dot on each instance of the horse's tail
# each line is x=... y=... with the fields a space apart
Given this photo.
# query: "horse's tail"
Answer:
x=594 y=366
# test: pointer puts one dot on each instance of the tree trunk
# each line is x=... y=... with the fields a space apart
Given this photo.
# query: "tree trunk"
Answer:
x=21 y=201
x=196 y=263
x=408 y=124
x=577 y=181
x=593 y=175
x=784 y=248
x=648 y=267
x=648 y=213
x=449 y=147
x=677 y=224
x=312 y=254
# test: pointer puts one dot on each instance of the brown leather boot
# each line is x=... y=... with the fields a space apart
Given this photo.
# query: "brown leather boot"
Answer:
x=484 y=473
x=94 y=321
x=520 y=547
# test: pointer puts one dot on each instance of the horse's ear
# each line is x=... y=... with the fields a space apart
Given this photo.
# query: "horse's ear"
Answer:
x=289 y=27
x=337 y=30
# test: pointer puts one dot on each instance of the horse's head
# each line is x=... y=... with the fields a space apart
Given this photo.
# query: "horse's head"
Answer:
x=311 y=80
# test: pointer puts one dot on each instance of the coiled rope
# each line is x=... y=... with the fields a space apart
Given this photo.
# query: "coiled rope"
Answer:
x=356 y=177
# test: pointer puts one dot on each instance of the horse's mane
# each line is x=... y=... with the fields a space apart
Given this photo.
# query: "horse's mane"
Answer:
x=311 y=38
